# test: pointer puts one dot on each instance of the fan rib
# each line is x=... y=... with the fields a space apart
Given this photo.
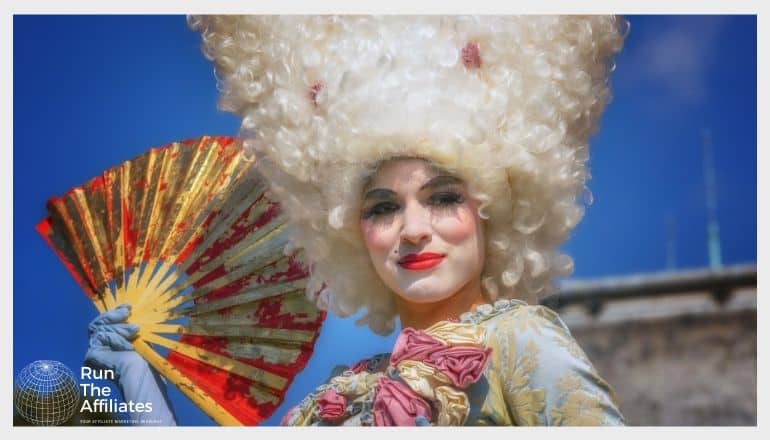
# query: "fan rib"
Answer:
x=244 y=195
x=248 y=296
x=60 y=207
x=189 y=388
x=248 y=330
x=259 y=376
x=261 y=242
x=205 y=213
x=190 y=198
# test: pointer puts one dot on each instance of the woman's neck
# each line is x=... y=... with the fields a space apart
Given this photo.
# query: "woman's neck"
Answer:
x=423 y=315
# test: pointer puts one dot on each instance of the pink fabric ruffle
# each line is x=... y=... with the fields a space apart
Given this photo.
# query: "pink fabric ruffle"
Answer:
x=464 y=365
x=395 y=404
x=331 y=405
x=414 y=344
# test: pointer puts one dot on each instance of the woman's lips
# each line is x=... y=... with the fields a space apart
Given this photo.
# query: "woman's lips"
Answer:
x=423 y=261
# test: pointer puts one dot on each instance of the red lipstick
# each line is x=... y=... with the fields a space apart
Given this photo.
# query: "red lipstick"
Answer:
x=422 y=261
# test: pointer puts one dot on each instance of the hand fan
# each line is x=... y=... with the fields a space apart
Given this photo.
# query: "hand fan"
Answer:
x=186 y=235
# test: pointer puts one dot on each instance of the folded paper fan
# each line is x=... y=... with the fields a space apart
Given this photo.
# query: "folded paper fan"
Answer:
x=186 y=235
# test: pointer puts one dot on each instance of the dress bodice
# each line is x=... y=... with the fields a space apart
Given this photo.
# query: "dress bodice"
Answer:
x=507 y=364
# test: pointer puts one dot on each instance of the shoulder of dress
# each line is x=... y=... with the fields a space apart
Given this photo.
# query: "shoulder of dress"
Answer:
x=485 y=312
x=527 y=324
x=511 y=310
x=535 y=313
x=541 y=370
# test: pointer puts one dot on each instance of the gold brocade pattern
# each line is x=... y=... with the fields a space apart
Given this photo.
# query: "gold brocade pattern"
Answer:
x=422 y=378
x=537 y=375
x=578 y=408
x=526 y=402
x=544 y=375
x=455 y=333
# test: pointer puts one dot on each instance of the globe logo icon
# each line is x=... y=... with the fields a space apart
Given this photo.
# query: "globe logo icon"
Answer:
x=46 y=393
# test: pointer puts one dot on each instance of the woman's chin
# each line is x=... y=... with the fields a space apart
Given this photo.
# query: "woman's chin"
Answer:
x=424 y=295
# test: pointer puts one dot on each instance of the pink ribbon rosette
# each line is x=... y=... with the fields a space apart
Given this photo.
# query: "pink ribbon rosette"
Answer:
x=464 y=365
x=331 y=405
x=395 y=404
x=414 y=344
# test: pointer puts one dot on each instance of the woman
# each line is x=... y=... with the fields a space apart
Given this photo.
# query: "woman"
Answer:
x=430 y=168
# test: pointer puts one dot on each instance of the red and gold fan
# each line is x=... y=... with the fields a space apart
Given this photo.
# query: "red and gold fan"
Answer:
x=186 y=235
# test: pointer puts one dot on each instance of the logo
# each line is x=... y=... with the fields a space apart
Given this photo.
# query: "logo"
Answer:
x=46 y=393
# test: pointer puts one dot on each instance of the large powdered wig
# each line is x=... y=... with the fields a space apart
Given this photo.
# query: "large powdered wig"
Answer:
x=505 y=103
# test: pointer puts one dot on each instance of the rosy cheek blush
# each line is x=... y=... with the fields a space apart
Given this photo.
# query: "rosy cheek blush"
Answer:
x=376 y=238
x=458 y=227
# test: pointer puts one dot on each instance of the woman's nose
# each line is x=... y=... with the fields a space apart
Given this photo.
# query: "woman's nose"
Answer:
x=417 y=227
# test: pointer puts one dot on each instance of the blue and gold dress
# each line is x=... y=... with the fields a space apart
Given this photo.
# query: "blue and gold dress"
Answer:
x=507 y=364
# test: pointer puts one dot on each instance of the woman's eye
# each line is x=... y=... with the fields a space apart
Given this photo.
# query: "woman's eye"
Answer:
x=446 y=199
x=381 y=209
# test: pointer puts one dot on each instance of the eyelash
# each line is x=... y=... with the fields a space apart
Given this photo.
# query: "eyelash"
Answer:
x=446 y=198
x=381 y=209
x=439 y=200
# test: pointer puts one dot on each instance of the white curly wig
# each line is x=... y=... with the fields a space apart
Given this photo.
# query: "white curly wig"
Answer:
x=505 y=103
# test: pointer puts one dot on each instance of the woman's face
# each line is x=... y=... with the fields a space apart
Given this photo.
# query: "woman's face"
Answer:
x=422 y=231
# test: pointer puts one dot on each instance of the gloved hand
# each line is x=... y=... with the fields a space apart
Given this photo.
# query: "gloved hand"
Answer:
x=108 y=345
x=109 y=348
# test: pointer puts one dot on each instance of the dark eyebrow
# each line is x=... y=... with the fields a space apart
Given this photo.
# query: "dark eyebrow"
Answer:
x=441 y=181
x=379 y=193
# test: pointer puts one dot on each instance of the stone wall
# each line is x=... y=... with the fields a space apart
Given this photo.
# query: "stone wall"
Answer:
x=692 y=363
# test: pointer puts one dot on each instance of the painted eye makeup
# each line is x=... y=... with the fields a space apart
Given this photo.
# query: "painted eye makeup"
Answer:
x=439 y=199
x=380 y=209
x=446 y=198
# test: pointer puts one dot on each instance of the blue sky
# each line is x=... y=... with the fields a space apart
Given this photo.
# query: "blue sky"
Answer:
x=91 y=91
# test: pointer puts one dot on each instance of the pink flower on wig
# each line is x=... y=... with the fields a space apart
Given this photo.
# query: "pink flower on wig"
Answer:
x=464 y=365
x=415 y=345
x=471 y=55
x=331 y=405
x=395 y=404
x=314 y=89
